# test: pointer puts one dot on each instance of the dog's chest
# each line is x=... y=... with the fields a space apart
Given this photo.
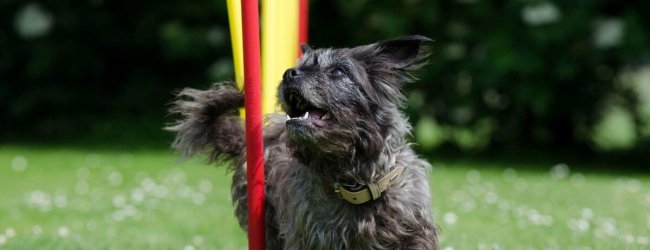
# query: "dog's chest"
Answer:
x=308 y=217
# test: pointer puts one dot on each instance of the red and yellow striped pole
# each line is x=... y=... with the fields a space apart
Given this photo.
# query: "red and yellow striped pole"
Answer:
x=285 y=28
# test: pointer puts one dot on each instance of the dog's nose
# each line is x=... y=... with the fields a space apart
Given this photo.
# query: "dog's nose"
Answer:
x=291 y=73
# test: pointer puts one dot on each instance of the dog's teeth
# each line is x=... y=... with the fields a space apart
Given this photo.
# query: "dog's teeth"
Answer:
x=306 y=115
x=288 y=117
x=326 y=116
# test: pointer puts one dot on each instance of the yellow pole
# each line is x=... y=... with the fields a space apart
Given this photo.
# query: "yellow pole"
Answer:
x=236 y=37
x=279 y=46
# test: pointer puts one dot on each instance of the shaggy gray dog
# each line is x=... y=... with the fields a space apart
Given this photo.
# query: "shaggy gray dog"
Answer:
x=339 y=171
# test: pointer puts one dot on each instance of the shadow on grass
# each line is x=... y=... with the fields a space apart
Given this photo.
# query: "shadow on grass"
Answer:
x=636 y=162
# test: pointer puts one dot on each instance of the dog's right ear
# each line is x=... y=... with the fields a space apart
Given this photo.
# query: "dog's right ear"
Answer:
x=407 y=53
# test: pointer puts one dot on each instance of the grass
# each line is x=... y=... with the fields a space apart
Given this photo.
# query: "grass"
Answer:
x=109 y=199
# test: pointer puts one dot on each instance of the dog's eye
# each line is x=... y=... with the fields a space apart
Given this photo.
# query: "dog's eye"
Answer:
x=337 y=72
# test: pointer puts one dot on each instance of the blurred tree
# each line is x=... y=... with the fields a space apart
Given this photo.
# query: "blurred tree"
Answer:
x=504 y=73
x=71 y=69
x=515 y=73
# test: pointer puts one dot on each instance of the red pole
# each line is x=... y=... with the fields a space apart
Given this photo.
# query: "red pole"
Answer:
x=303 y=24
x=254 y=141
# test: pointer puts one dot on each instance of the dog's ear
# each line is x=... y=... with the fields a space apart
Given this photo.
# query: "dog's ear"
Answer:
x=305 y=48
x=408 y=53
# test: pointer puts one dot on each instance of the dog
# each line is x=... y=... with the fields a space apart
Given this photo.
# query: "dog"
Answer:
x=340 y=173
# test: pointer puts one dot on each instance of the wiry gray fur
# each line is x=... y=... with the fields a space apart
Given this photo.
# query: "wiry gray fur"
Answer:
x=361 y=88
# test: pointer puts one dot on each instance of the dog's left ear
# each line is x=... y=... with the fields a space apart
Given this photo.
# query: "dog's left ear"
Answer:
x=305 y=48
x=406 y=53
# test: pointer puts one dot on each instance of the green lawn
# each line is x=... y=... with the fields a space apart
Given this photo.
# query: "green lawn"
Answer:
x=109 y=199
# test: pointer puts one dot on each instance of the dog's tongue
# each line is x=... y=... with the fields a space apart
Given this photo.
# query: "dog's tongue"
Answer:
x=316 y=113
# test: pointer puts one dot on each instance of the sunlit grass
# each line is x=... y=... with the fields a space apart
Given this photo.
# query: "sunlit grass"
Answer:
x=486 y=206
x=94 y=199
x=68 y=199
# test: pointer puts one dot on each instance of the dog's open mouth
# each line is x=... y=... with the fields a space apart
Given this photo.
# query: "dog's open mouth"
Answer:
x=299 y=109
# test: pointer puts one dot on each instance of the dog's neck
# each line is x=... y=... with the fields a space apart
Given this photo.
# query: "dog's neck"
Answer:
x=355 y=170
x=351 y=172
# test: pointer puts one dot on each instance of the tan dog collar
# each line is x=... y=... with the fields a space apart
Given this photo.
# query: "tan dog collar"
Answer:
x=371 y=192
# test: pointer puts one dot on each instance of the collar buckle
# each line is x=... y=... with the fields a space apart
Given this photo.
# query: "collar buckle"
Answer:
x=337 y=190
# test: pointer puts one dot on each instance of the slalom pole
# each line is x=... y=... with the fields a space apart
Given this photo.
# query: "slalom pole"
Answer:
x=234 y=19
x=254 y=141
x=279 y=43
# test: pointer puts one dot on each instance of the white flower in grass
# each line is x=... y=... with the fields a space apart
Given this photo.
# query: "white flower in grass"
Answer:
x=40 y=200
x=633 y=185
x=587 y=213
x=3 y=239
x=82 y=187
x=177 y=177
x=15 y=214
x=572 y=224
x=137 y=195
x=126 y=159
x=560 y=171
x=118 y=215
x=10 y=232
x=115 y=178
x=91 y=225
x=184 y=191
x=547 y=220
x=93 y=160
x=509 y=174
x=198 y=198
x=19 y=163
x=504 y=205
x=205 y=186
x=450 y=218
x=130 y=211
x=521 y=185
x=197 y=240
x=148 y=184
x=60 y=201
x=468 y=205
x=63 y=231
x=473 y=176
x=642 y=240
x=582 y=225
x=160 y=191
x=534 y=216
x=491 y=197
x=83 y=173
x=578 y=180
x=188 y=247
x=36 y=230
x=609 y=227
x=119 y=201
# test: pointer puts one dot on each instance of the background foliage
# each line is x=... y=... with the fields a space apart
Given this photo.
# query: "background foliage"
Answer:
x=505 y=74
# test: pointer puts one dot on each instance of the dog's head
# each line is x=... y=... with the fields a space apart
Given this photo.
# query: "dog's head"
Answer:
x=343 y=103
